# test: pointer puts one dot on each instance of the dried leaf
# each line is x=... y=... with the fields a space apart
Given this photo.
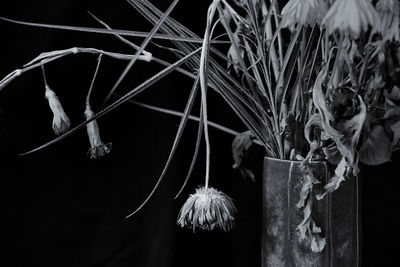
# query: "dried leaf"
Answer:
x=307 y=229
x=312 y=133
x=394 y=94
x=376 y=149
x=307 y=184
x=240 y=147
x=332 y=154
x=341 y=172
x=396 y=135
x=235 y=52
x=344 y=133
x=391 y=108
x=310 y=232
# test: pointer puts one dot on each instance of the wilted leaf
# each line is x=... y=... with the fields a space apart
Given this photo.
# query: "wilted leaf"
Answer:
x=376 y=149
x=240 y=147
x=394 y=94
x=235 y=52
x=317 y=242
x=344 y=133
x=396 y=135
x=307 y=229
x=391 y=108
x=341 y=172
x=332 y=154
x=307 y=183
x=312 y=133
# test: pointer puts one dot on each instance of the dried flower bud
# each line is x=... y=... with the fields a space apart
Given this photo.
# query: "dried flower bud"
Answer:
x=97 y=148
x=350 y=17
x=61 y=123
x=207 y=209
x=303 y=12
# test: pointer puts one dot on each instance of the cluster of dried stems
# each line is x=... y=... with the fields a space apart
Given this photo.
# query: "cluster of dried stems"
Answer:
x=310 y=79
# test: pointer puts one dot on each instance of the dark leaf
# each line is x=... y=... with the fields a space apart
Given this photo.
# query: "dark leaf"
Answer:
x=396 y=135
x=376 y=149
x=240 y=148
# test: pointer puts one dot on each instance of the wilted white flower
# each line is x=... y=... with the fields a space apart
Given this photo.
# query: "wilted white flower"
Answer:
x=350 y=17
x=61 y=122
x=303 y=12
x=97 y=148
x=389 y=12
x=207 y=209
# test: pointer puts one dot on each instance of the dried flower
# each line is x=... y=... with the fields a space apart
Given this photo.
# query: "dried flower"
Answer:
x=351 y=17
x=303 y=12
x=97 y=148
x=389 y=11
x=207 y=209
x=61 y=122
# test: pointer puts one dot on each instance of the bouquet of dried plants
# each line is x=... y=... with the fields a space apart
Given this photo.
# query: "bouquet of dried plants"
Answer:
x=312 y=80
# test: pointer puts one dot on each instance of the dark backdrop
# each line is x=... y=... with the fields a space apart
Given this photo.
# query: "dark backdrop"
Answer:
x=59 y=208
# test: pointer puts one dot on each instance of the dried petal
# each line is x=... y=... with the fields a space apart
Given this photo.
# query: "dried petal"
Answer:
x=61 y=123
x=97 y=148
x=303 y=12
x=207 y=209
x=351 y=17
x=389 y=11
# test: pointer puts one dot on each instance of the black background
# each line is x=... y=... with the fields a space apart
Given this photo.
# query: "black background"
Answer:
x=59 y=208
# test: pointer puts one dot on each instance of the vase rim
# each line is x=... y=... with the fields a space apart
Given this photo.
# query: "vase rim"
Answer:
x=288 y=160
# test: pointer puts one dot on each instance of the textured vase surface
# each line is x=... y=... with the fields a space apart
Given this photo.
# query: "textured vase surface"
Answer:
x=336 y=214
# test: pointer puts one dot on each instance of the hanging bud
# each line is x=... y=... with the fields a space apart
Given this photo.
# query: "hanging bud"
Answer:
x=351 y=17
x=97 y=148
x=61 y=123
x=207 y=209
x=303 y=12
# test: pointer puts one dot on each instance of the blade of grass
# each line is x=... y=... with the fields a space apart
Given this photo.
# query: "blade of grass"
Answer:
x=178 y=137
x=122 y=39
x=180 y=114
x=141 y=49
x=104 y=31
x=195 y=154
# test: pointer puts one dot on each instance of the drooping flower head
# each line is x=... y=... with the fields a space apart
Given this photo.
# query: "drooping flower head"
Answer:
x=303 y=12
x=61 y=123
x=97 y=148
x=389 y=12
x=207 y=209
x=350 y=17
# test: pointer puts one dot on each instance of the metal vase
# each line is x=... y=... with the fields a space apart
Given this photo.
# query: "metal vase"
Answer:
x=337 y=214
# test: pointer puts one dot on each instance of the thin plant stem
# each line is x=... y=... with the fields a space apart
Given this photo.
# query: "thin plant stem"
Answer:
x=44 y=77
x=140 y=50
x=180 y=114
x=93 y=79
x=203 y=71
